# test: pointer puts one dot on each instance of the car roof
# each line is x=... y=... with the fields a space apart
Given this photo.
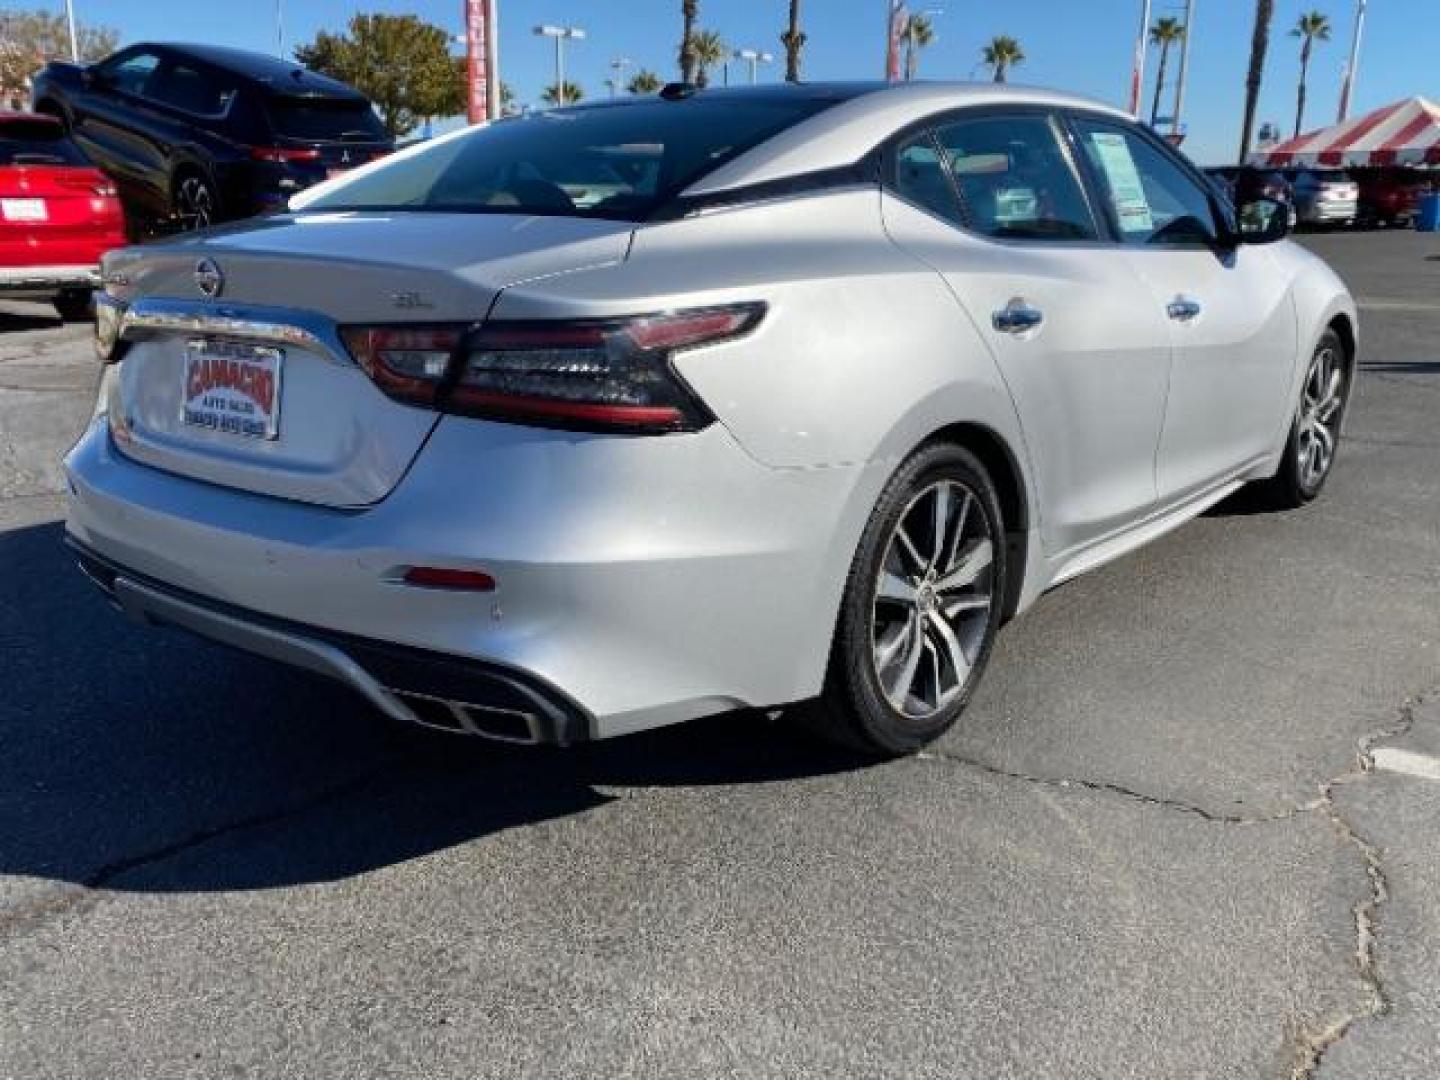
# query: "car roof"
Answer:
x=269 y=72
x=861 y=115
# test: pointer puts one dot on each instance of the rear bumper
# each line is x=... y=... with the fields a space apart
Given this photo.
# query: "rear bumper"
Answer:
x=47 y=280
x=1328 y=212
x=430 y=689
x=641 y=581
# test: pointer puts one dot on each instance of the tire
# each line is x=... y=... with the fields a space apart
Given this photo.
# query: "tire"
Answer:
x=194 y=203
x=75 y=305
x=1314 y=440
x=908 y=651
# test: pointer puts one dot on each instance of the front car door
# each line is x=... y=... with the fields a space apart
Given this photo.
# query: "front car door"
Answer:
x=116 y=125
x=992 y=200
x=1228 y=308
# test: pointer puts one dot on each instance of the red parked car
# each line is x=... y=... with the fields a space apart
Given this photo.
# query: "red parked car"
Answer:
x=1389 y=196
x=58 y=215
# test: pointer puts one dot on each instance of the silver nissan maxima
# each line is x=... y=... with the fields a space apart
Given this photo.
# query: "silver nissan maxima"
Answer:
x=617 y=415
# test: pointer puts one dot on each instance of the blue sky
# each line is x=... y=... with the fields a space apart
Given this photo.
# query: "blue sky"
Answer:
x=1079 y=45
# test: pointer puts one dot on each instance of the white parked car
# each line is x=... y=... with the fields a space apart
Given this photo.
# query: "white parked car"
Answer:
x=822 y=386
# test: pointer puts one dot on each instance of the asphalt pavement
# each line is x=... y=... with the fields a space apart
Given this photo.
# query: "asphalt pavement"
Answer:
x=1185 y=830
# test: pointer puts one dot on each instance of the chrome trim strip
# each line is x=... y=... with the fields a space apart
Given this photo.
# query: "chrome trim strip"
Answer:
x=151 y=318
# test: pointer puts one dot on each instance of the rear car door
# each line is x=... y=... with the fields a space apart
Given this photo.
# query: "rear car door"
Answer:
x=1228 y=309
x=991 y=200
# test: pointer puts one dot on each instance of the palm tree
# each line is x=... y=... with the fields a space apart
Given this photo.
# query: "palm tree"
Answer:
x=794 y=40
x=1002 y=54
x=919 y=34
x=709 y=49
x=1164 y=33
x=689 y=12
x=1259 y=44
x=567 y=93
x=644 y=82
x=1311 y=28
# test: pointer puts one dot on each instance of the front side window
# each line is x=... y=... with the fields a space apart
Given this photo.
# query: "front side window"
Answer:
x=131 y=75
x=618 y=162
x=1015 y=183
x=1152 y=200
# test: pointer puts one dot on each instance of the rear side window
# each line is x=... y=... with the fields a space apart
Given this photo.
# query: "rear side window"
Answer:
x=618 y=162
x=26 y=142
x=193 y=90
x=324 y=120
x=1152 y=199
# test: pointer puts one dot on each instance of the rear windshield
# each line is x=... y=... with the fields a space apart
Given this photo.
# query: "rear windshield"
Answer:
x=325 y=120
x=616 y=162
x=37 y=143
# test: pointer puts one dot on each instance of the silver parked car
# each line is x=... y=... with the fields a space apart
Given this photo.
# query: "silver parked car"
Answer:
x=1325 y=198
x=818 y=389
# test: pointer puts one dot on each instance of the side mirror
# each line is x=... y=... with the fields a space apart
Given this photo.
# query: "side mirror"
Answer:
x=1263 y=221
x=90 y=78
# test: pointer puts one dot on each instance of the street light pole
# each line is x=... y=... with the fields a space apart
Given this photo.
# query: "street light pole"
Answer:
x=753 y=57
x=74 y=38
x=1347 y=87
x=1184 y=67
x=618 y=65
x=560 y=34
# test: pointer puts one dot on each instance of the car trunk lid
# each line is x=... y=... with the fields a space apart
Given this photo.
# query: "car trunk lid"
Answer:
x=252 y=388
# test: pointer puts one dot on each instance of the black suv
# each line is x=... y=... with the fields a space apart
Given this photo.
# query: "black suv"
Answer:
x=197 y=134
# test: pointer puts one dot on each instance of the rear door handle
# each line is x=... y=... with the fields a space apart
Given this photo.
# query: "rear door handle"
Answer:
x=1183 y=309
x=1016 y=317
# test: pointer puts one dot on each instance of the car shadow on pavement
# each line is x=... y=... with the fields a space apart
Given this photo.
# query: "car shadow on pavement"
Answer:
x=1404 y=367
x=11 y=322
x=140 y=758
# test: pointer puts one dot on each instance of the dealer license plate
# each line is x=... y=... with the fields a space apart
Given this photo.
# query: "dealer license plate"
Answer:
x=232 y=387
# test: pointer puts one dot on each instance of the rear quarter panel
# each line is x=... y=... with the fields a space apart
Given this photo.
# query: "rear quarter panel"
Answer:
x=864 y=351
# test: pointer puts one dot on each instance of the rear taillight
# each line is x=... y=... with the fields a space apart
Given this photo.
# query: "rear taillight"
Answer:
x=612 y=374
x=281 y=154
x=409 y=363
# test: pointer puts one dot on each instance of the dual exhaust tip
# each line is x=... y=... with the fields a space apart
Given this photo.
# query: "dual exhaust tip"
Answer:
x=467 y=718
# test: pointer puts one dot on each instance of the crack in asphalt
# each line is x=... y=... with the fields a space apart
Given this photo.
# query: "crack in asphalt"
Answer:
x=72 y=897
x=1311 y=1043
x=1119 y=789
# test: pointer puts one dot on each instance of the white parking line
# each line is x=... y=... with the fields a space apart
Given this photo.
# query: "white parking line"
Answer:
x=1407 y=762
x=1369 y=304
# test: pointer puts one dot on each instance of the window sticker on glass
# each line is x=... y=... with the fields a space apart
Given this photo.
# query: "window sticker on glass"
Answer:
x=1126 y=190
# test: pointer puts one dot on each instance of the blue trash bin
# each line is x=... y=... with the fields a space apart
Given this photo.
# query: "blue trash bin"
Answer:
x=1428 y=220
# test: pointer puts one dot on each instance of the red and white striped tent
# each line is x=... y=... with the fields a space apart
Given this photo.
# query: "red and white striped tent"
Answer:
x=1405 y=133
